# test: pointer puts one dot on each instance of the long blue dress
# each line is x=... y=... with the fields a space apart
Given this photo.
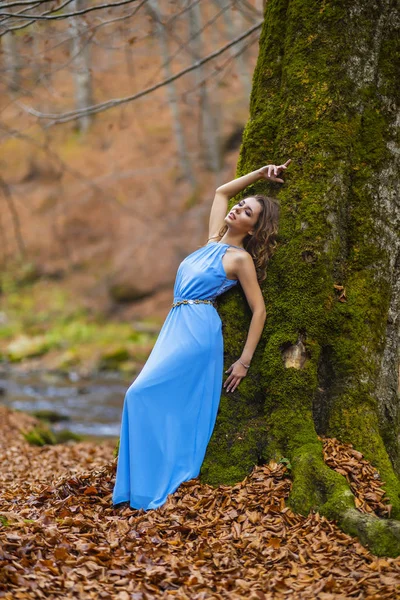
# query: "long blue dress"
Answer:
x=170 y=409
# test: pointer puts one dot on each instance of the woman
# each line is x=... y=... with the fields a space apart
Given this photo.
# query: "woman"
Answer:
x=170 y=409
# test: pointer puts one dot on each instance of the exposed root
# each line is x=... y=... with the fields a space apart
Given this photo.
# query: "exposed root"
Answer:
x=380 y=536
x=363 y=478
x=318 y=488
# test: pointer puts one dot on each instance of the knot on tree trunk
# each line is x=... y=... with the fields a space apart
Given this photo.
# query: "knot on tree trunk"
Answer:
x=295 y=355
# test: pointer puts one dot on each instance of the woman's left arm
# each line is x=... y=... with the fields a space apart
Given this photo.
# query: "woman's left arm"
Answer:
x=247 y=276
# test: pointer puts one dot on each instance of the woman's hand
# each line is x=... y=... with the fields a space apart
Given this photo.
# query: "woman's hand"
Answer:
x=271 y=172
x=237 y=372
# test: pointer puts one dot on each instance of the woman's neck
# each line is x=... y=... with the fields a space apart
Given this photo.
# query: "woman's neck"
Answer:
x=232 y=240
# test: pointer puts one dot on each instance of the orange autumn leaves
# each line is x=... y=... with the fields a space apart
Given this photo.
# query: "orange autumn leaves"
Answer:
x=363 y=478
x=65 y=540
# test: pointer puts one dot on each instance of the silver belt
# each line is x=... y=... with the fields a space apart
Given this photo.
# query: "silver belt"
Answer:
x=212 y=302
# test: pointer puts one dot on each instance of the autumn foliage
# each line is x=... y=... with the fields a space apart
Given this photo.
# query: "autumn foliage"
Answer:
x=62 y=538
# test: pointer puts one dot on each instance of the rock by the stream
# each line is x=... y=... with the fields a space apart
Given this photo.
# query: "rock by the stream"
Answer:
x=27 y=347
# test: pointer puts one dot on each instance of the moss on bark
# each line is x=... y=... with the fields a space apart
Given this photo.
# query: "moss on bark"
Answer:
x=324 y=95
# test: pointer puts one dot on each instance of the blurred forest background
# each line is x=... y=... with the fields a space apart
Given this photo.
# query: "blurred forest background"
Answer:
x=117 y=122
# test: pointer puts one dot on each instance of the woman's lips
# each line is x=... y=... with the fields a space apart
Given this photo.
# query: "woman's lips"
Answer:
x=232 y=216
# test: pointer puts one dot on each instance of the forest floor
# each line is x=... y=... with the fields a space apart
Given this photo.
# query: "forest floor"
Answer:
x=60 y=536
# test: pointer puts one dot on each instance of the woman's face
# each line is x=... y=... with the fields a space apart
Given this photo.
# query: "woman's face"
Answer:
x=243 y=216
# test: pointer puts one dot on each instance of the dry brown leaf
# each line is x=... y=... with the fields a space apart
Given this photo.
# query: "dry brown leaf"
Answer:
x=231 y=543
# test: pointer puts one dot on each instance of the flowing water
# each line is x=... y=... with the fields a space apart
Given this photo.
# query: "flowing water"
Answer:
x=92 y=406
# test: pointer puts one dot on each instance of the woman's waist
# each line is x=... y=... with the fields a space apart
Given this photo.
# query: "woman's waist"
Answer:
x=192 y=299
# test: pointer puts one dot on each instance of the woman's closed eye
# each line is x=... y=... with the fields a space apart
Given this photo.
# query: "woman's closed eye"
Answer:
x=248 y=211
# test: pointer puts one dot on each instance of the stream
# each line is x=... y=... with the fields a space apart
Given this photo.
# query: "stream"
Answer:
x=90 y=405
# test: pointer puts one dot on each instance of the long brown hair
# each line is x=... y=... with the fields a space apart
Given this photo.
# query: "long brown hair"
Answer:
x=262 y=243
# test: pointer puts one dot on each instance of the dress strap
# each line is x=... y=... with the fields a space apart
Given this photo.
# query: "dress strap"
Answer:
x=223 y=244
x=240 y=248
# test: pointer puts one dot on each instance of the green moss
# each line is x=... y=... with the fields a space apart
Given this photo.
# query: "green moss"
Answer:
x=40 y=436
x=309 y=103
x=381 y=537
x=4 y=521
x=113 y=357
x=239 y=446
x=357 y=423
x=315 y=486
x=116 y=449
x=65 y=435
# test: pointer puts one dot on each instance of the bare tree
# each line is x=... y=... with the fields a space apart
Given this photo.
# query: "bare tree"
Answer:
x=233 y=27
x=5 y=188
x=80 y=52
x=184 y=158
x=209 y=125
x=11 y=62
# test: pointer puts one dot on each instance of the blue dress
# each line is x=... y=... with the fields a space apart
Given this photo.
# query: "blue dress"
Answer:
x=170 y=409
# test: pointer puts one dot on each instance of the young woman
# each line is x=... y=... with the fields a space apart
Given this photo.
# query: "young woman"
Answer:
x=170 y=409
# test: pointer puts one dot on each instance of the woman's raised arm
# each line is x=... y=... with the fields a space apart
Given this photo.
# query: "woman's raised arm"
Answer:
x=226 y=191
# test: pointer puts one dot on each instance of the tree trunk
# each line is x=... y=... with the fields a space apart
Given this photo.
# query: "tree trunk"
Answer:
x=80 y=51
x=209 y=124
x=11 y=60
x=326 y=94
x=154 y=10
x=240 y=59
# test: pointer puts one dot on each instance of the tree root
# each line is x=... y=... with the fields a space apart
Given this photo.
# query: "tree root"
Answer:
x=317 y=487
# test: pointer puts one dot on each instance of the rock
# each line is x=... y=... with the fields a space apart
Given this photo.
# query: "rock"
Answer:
x=65 y=435
x=112 y=358
x=128 y=292
x=27 y=347
x=51 y=416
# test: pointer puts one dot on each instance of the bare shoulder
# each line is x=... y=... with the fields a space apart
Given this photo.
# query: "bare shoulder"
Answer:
x=242 y=257
x=241 y=263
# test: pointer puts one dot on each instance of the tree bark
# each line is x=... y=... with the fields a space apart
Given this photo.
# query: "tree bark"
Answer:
x=326 y=94
x=240 y=61
x=11 y=60
x=80 y=51
x=209 y=124
x=154 y=10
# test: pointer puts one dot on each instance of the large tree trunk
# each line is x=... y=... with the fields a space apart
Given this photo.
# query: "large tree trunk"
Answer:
x=326 y=94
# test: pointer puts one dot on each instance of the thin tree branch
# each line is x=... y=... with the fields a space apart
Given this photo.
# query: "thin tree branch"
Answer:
x=91 y=28
x=96 y=108
x=8 y=29
x=185 y=45
x=48 y=12
x=77 y=13
x=27 y=3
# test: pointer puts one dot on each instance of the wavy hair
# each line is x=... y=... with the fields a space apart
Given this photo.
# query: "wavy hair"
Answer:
x=262 y=243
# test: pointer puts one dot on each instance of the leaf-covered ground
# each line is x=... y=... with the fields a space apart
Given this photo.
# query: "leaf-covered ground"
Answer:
x=61 y=537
